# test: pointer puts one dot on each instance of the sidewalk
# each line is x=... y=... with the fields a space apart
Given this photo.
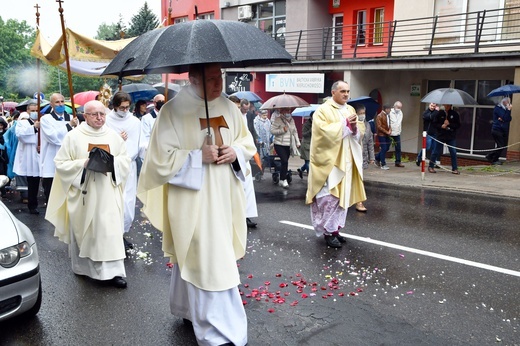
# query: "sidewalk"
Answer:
x=501 y=181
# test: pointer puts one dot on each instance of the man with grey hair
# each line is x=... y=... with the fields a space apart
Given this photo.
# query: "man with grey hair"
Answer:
x=396 y=119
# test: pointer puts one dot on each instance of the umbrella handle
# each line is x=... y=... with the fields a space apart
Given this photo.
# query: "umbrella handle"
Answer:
x=209 y=139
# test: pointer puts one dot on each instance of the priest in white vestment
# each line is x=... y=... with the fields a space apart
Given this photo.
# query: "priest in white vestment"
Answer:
x=121 y=120
x=192 y=192
x=86 y=207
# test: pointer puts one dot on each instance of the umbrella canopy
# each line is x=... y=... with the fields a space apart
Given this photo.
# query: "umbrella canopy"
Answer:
x=174 y=48
x=248 y=95
x=173 y=89
x=370 y=104
x=284 y=101
x=9 y=106
x=22 y=106
x=505 y=90
x=449 y=96
x=140 y=91
x=85 y=96
x=305 y=111
x=48 y=108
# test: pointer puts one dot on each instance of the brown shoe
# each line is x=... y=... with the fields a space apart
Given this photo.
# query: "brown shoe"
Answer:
x=432 y=170
x=360 y=207
x=399 y=165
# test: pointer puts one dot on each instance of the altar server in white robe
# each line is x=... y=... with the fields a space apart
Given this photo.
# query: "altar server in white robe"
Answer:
x=86 y=207
x=121 y=120
x=192 y=192
x=148 y=121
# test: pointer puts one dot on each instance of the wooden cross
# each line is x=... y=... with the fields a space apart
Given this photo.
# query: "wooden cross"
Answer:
x=215 y=124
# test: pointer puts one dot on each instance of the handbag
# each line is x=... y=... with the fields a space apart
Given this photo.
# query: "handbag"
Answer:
x=294 y=148
x=100 y=160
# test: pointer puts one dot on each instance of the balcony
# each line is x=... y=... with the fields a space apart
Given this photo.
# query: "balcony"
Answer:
x=483 y=32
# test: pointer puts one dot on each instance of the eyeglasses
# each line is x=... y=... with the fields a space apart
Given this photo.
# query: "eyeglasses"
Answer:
x=95 y=114
x=123 y=108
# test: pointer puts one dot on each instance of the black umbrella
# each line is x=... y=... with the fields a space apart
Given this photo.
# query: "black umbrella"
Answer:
x=449 y=96
x=140 y=91
x=174 y=48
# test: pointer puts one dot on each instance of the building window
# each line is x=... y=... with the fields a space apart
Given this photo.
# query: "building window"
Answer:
x=180 y=20
x=270 y=18
x=206 y=16
x=379 y=19
x=474 y=135
x=337 y=36
x=361 y=27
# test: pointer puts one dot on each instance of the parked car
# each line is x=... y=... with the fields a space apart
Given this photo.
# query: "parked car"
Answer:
x=20 y=281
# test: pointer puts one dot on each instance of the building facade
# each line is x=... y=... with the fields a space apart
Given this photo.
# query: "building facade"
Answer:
x=390 y=50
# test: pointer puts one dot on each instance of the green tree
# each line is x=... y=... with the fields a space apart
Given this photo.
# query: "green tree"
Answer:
x=108 y=32
x=16 y=39
x=144 y=21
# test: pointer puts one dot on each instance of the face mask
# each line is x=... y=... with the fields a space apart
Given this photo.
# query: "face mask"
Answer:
x=121 y=114
x=59 y=109
x=287 y=116
x=33 y=115
x=159 y=104
x=361 y=117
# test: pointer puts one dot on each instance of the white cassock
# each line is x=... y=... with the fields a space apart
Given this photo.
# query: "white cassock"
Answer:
x=89 y=216
x=132 y=126
x=52 y=134
x=249 y=188
x=147 y=123
x=26 y=159
x=200 y=208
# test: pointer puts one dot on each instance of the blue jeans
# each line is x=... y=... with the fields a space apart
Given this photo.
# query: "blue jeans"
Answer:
x=305 y=167
x=438 y=150
x=384 y=142
x=430 y=146
x=397 y=140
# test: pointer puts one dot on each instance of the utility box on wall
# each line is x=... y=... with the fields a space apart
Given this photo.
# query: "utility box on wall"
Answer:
x=245 y=12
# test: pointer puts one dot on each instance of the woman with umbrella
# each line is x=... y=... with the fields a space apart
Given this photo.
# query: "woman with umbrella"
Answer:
x=286 y=141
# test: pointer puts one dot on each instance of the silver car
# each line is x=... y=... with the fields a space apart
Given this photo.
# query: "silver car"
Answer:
x=20 y=282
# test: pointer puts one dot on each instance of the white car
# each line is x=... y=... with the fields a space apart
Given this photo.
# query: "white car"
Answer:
x=20 y=282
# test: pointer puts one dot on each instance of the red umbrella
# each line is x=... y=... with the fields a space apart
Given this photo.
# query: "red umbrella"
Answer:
x=284 y=101
x=85 y=96
x=9 y=106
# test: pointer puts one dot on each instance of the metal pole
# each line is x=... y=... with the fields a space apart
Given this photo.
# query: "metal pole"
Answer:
x=423 y=154
x=38 y=78
x=166 y=76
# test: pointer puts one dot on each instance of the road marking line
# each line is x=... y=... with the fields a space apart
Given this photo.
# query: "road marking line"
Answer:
x=417 y=251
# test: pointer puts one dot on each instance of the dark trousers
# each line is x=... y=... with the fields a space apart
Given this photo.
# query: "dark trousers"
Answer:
x=33 y=187
x=436 y=155
x=283 y=153
x=501 y=141
x=397 y=141
x=47 y=183
x=384 y=143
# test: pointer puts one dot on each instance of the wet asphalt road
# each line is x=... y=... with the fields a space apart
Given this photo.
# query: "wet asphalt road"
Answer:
x=378 y=289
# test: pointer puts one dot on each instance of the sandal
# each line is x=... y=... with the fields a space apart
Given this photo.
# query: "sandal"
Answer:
x=455 y=172
x=432 y=170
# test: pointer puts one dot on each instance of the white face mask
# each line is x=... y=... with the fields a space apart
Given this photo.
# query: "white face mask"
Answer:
x=33 y=115
x=121 y=114
x=361 y=117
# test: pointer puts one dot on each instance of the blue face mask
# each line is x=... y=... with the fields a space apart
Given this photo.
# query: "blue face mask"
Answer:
x=60 y=109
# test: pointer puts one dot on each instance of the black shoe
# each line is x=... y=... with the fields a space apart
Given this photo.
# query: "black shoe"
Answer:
x=332 y=241
x=187 y=322
x=418 y=163
x=250 y=224
x=118 y=282
x=497 y=163
x=341 y=239
x=300 y=173
x=489 y=158
x=34 y=211
x=378 y=163
x=128 y=245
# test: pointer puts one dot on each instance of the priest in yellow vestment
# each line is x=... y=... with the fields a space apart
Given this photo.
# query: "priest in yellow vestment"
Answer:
x=192 y=191
x=336 y=174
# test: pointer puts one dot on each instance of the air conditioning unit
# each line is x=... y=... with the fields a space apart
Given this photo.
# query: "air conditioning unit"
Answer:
x=245 y=12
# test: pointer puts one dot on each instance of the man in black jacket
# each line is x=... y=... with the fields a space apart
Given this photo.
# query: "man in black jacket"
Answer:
x=428 y=116
x=446 y=123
